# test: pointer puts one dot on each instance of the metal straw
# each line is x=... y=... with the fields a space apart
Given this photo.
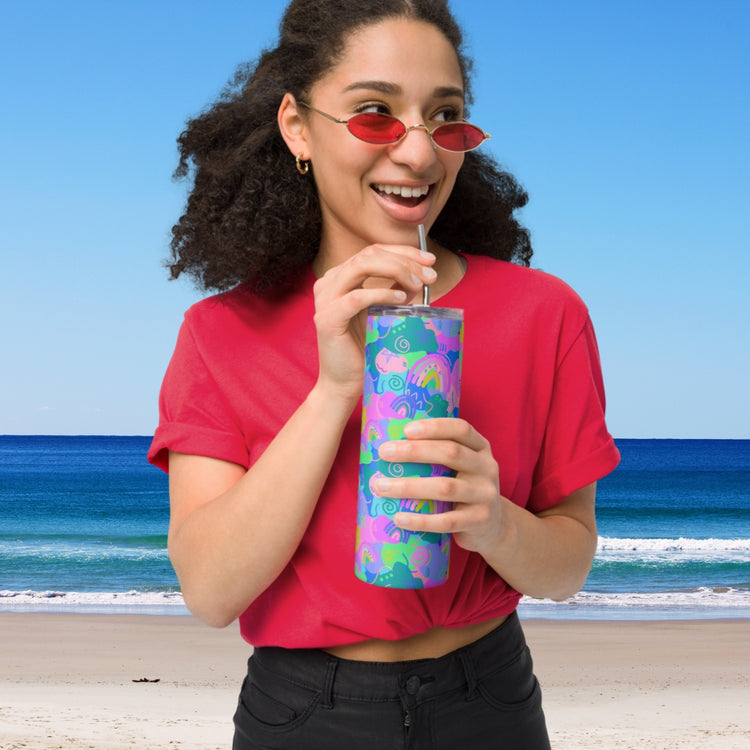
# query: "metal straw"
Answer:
x=423 y=248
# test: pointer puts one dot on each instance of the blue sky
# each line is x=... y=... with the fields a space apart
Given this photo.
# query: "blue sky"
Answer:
x=627 y=123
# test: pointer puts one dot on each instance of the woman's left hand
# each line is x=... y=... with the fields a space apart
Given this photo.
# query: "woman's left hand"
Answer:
x=477 y=515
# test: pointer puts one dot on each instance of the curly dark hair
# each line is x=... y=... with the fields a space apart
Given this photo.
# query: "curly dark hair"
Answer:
x=250 y=219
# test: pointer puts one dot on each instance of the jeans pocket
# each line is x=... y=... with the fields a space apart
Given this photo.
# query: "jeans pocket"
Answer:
x=266 y=708
x=270 y=705
x=513 y=686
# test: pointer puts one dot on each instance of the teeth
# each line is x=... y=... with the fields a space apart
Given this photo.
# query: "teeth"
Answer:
x=404 y=192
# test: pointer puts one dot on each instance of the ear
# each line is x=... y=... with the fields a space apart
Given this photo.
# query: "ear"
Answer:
x=293 y=127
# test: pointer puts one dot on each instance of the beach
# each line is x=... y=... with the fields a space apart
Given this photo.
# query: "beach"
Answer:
x=88 y=682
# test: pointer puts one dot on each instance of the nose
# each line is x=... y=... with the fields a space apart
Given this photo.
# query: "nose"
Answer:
x=418 y=153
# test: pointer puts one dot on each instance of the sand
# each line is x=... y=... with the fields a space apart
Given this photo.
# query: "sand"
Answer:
x=66 y=681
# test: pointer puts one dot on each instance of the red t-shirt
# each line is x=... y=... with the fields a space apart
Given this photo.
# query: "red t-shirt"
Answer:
x=531 y=384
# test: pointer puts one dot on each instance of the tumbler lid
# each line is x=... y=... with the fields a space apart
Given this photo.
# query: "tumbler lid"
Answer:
x=417 y=311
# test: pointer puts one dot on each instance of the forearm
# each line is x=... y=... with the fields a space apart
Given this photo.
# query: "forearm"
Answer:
x=228 y=550
x=547 y=555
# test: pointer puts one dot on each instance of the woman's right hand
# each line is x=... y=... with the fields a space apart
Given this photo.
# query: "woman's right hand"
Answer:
x=377 y=275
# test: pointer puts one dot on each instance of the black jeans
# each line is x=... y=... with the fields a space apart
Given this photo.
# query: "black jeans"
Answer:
x=482 y=696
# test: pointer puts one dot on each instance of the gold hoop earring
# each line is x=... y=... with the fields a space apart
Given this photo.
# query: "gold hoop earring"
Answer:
x=303 y=167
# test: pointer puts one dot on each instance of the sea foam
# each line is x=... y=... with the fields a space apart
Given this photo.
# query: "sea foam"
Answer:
x=132 y=602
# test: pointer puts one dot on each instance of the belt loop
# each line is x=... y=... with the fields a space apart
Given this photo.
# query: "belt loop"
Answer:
x=470 y=673
x=327 y=695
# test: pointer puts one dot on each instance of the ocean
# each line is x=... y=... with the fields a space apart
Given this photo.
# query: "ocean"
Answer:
x=83 y=528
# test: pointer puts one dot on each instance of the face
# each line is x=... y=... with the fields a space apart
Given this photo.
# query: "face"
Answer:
x=380 y=193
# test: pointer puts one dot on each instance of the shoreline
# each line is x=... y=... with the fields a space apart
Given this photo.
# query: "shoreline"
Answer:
x=726 y=603
x=74 y=682
x=546 y=613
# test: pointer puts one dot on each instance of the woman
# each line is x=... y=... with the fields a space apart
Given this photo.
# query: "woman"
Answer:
x=308 y=212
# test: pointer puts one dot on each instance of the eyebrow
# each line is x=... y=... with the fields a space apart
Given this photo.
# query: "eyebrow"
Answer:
x=384 y=87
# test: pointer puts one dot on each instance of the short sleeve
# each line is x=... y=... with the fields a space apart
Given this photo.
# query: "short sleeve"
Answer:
x=194 y=416
x=577 y=448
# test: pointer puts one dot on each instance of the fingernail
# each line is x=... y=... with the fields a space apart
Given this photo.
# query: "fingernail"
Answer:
x=413 y=429
x=383 y=485
x=399 y=295
x=401 y=520
x=429 y=273
x=415 y=279
x=387 y=449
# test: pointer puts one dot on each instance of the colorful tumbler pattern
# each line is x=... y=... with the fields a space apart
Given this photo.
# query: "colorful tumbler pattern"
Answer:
x=412 y=371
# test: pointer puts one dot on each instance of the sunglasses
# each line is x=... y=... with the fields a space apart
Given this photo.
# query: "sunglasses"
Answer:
x=380 y=129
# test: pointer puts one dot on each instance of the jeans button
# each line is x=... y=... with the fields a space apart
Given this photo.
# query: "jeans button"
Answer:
x=412 y=685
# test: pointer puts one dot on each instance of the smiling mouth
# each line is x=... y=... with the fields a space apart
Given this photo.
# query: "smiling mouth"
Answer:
x=401 y=194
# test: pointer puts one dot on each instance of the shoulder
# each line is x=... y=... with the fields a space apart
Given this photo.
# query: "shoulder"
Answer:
x=242 y=309
x=520 y=285
x=224 y=304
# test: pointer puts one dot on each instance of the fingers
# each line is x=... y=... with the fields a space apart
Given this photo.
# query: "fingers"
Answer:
x=475 y=518
x=467 y=520
x=474 y=490
x=445 y=489
x=407 y=268
x=451 y=442
x=335 y=315
x=377 y=275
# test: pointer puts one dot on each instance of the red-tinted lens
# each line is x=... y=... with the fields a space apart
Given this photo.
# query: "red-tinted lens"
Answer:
x=373 y=127
x=458 y=136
